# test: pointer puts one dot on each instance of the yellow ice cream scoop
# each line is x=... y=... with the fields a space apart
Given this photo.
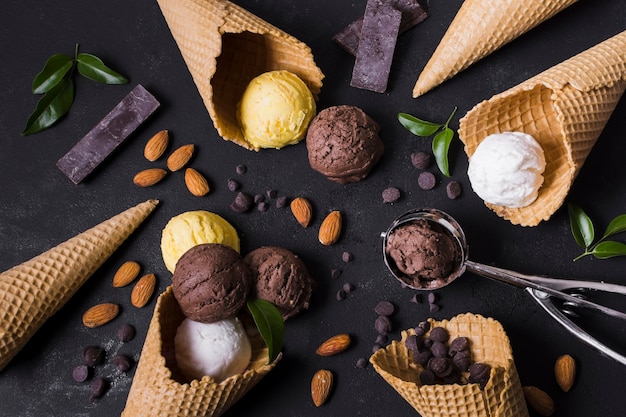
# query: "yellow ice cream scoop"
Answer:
x=192 y=228
x=275 y=110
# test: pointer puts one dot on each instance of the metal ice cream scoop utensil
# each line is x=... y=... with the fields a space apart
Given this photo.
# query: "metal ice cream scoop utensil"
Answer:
x=541 y=289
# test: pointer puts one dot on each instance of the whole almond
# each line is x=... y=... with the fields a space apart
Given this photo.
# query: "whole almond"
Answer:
x=321 y=385
x=100 y=314
x=301 y=209
x=334 y=345
x=143 y=290
x=149 y=177
x=179 y=158
x=539 y=400
x=196 y=183
x=156 y=145
x=330 y=228
x=565 y=372
x=126 y=273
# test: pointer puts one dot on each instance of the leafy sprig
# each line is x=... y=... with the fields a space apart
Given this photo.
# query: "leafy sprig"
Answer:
x=584 y=234
x=270 y=324
x=55 y=81
x=441 y=141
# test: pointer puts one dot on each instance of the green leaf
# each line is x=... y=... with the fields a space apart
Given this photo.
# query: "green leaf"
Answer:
x=417 y=126
x=92 y=67
x=51 y=107
x=441 y=144
x=581 y=225
x=609 y=249
x=52 y=73
x=617 y=225
x=270 y=324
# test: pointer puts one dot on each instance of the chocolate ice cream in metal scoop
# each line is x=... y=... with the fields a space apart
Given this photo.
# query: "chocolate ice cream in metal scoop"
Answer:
x=424 y=247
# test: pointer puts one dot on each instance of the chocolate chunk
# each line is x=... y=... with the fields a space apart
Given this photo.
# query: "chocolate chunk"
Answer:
x=384 y=308
x=233 y=185
x=439 y=334
x=453 y=190
x=427 y=180
x=479 y=374
x=93 y=355
x=412 y=14
x=125 y=333
x=459 y=344
x=108 y=134
x=440 y=366
x=420 y=160
x=80 y=373
x=391 y=195
x=427 y=377
x=462 y=360
x=439 y=350
x=377 y=43
x=98 y=387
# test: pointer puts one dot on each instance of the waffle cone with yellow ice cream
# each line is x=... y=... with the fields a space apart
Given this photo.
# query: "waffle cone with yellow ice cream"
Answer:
x=225 y=47
x=502 y=396
x=565 y=108
x=480 y=28
x=33 y=291
x=160 y=389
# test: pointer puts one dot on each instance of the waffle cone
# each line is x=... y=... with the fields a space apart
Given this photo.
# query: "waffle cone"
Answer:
x=159 y=389
x=225 y=47
x=565 y=108
x=502 y=395
x=33 y=291
x=480 y=28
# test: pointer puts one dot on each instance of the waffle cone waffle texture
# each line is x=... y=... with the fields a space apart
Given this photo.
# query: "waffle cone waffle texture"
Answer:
x=565 y=108
x=158 y=388
x=502 y=395
x=33 y=291
x=480 y=28
x=225 y=47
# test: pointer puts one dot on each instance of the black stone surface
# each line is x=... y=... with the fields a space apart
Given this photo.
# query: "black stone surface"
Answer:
x=40 y=208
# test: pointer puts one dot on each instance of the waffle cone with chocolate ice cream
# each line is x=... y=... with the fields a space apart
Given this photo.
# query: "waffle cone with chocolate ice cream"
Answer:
x=225 y=47
x=480 y=28
x=565 y=108
x=158 y=387
x=33 y=291
x=502 y=396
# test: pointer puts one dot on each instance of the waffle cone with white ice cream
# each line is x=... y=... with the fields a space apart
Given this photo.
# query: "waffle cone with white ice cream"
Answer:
x=480 y=28
x=565 y=109
x=160 y=389
x=225 y=47
x=33 y=291
x=502 y=396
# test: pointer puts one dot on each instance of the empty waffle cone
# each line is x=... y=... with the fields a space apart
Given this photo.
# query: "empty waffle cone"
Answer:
x=33 y=291
x=158 y=387
x=225 y=47
x=502 y=396
x=480 y=28
x=565 y=108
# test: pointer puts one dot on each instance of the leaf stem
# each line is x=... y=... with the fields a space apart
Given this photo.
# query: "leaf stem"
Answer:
x=450 y=117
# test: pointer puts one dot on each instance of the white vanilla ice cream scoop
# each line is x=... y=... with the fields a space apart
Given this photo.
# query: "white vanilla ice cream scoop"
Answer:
x=507 y=169
x=219 y=350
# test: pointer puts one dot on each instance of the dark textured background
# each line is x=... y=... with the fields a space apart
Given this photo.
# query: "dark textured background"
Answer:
x=40 y=207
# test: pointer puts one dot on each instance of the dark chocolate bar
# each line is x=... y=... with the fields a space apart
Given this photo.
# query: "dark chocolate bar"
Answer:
x=413 y=13
x=108 y=134
x=377 y=44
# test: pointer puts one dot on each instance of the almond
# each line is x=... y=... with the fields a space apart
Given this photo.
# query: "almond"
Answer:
x=149 y=177
x=565 y=372
x=196 y=183
x=126 y=273
x=330 y=228
x=156 y=145
x=179 y=158
x=539 y=400
x=301 y=209
x=143 y=290
x=321 y=385
x=334 y=345
x=100 y=314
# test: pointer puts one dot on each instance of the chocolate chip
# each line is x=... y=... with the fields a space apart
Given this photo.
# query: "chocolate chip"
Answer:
x=262 y=206
x=459 y=344
x=462 y=360
x=453 y=190
x=384 y=308
x=419 y=331
x=376 y=348
x=416 y=298
x=433 y=308
x=271 y=194
x=346 y=256
x=348 y=287
x=233 y=185
x=341 y=295
x=242 y=203
x=440 y=366
x=420 y=160
x=439 y=334
x=427 y=377
x=125 y=333
x=241 y=169
x=282 y=202
x=479 y=374
x=421 y=356
x=382 y=325
x=426 y=180
x=411 y=343
x=98 y=387
x=258 y=198
x=122 y=362
x=361 y=363
x=335 y=273
x=93 y=355
x=453 y=378
x=381 y=339
x=80 y=373
x=424 y=325
x=439 y=350
x=391 y=195
x=432 y=297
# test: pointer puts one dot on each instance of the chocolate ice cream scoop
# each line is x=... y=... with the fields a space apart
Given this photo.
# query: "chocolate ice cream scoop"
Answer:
x=211 y=282
x=343 y=144
x=281 y=278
